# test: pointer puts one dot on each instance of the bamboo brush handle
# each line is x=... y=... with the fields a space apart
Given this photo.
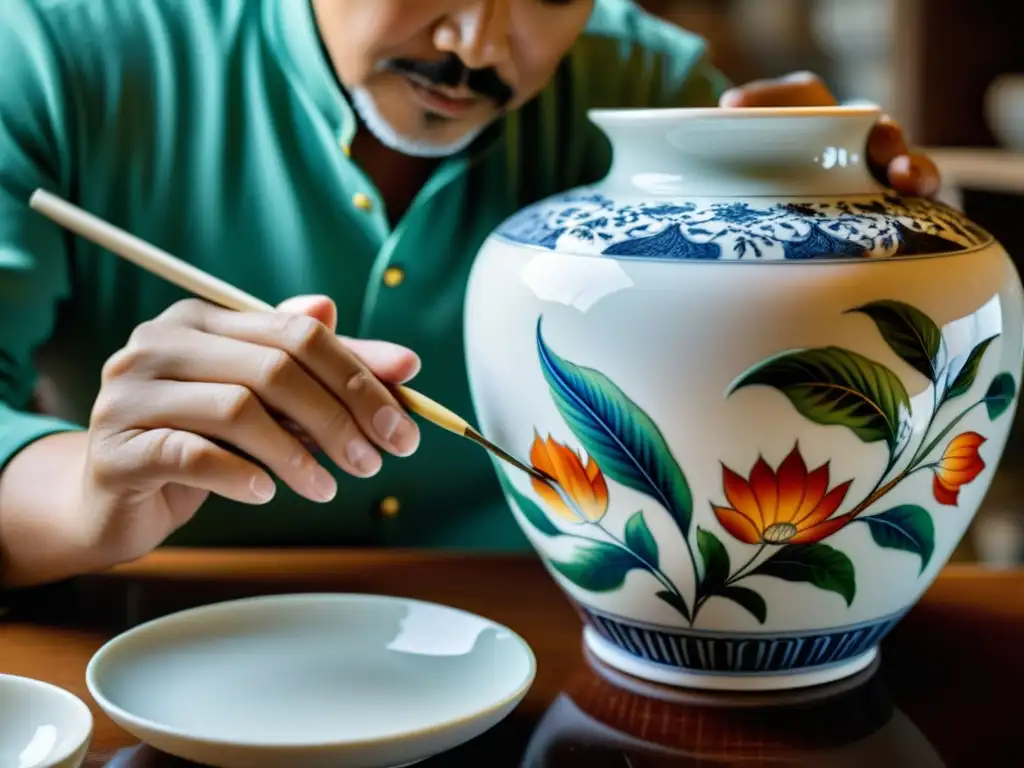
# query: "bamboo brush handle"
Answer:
x=202 y=284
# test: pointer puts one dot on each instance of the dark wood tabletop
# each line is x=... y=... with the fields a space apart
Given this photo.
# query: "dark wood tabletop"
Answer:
x=945 y=694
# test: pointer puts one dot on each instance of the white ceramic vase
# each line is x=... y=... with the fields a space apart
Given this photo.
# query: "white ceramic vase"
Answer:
x=773 y=394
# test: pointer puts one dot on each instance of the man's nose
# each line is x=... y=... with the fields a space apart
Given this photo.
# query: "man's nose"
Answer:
x=478 y=33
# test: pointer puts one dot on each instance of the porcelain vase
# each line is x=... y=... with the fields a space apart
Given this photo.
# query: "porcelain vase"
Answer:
x=771 y=393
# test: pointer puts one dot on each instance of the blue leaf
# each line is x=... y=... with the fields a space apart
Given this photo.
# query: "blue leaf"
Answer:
x=1000 y=395
x=624 y=441
x=670 y=243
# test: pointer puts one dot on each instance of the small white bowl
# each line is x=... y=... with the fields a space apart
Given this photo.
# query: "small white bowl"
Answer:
x=311 y=681
x=41 y=725
x=1004 y=110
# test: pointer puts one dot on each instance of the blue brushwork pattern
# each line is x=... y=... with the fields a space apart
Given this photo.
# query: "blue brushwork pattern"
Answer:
x=722 y=653
x=585 y=222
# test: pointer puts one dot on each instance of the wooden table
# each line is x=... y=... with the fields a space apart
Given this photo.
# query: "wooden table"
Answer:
x=947 y=692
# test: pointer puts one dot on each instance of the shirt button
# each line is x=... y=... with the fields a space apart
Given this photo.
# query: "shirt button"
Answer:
x=362 y=202
x=393 y=277
x=389 y=507
x=344 y=147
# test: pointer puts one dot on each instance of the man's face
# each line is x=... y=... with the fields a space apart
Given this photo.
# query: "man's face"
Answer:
x=428 y=76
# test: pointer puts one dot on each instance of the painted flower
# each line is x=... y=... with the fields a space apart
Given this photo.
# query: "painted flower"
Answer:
x=787 y=506
x=960 y=464
x=583 y=494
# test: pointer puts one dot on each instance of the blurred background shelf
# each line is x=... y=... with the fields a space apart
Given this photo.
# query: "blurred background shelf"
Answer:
x=988 y=169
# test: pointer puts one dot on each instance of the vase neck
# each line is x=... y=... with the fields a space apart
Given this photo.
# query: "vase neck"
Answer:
x=740 y=152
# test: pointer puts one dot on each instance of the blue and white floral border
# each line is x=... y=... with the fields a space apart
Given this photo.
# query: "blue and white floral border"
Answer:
x=589 y=223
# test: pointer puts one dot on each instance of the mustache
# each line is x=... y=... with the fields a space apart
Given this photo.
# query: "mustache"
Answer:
x=452 y=72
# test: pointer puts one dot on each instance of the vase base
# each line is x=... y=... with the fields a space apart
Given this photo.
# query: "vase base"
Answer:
x=617 y=659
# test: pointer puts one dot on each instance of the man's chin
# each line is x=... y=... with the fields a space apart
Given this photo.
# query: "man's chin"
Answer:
x=415 y=146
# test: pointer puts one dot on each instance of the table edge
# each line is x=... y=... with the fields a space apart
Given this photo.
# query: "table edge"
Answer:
x=285 y=562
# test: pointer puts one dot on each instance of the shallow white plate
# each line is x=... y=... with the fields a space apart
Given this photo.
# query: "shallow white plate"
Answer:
x=311 y=680
x=41 y=725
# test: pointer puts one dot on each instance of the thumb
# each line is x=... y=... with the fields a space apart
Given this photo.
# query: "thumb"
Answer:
x=320 y=308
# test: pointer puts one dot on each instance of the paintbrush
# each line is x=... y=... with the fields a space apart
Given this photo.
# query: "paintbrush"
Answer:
x=215 y=290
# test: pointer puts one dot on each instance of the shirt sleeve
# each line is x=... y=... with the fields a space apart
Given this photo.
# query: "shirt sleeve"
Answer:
x=34 y=153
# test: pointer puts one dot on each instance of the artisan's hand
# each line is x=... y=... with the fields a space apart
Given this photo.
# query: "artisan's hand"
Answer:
x=890 y=157
x=198 y=397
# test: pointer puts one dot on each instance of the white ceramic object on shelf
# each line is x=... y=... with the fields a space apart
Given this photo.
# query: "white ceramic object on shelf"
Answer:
x=41 y=725
x=772 y=393
x=311 y=681
x=1004 y=110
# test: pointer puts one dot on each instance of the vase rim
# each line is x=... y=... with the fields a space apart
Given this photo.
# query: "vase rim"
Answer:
x=675 y=114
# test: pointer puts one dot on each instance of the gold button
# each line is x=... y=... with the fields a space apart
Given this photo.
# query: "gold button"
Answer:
x=345 y=148
x=393 y=276
x=389 y=507
x=361 y=201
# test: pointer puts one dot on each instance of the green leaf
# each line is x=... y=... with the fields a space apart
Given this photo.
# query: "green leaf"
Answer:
x=598 y=567
x=966 y=376
x=639 y=539
x=1000 y=395
x=675 y=601
x=817 y=564
x=908 y=528
x=747 y=598
x=624 y=441
x=833 y=386
x=716 y=561
x=532 y=511
x=909 y=332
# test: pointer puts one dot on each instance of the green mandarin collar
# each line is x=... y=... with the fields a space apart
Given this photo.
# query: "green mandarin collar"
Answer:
x=290 y=27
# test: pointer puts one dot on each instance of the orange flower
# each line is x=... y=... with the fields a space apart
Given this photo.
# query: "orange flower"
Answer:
x=789 y=506
x=959 y=465
x=584 y=487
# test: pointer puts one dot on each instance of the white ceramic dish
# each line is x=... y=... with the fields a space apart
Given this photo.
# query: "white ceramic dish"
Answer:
x=315 y=680
x=41 y=725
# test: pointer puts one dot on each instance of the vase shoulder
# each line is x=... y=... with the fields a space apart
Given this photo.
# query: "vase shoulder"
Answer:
x=594 y=221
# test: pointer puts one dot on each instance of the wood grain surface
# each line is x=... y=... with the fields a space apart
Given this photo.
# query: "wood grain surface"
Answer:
x=947 y=689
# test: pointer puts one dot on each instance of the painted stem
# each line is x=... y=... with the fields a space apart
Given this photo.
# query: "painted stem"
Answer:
x=738 y=576
x=740 y=573
x=652 y=569
x=696 y=575
x=949 y=427
x=940 y=400
x=914 y=466
x=655 y=570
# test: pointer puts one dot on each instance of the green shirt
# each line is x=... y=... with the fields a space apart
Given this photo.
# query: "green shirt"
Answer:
x=216 y=130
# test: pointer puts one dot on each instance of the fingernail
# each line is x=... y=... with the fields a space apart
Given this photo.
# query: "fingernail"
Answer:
x=730 y=98
x=262 y=487
x=397 y=430
x=363 y=457
x=322 y=484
